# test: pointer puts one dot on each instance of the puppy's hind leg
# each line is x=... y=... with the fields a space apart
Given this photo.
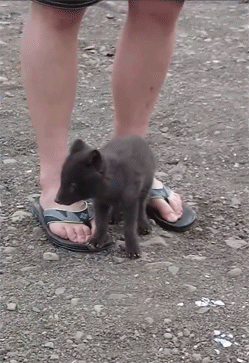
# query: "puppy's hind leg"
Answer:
x=143 y=222
x=130 y=210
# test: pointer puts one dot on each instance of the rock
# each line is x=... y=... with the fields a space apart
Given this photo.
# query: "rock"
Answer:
x=173 y=269
x=155 y=241
x=118 y=259
x=203 y=310
x=9 y=161
x=3 y=79
x=161 y=175
x=164 y=129
x=38 y=232
x=74 y=301
x=168 y=336
x=190 y=288
x=158 y=265
x=60 y=290
x=235 y=202
x=78 y=335
x=175 y=351
x=197 y=357
x=20 y=215
x=116 y=296
x=167 y=321
x=235 y=243
x=206 y=360
x=235 y=272
x=149 y=320
x=50 y=256
x=186 y=332
x=11 y=306
x=54 y=357
x=8 y=250
x=195 y=257
x=167 y=351
x=49 y=345
x=98 y=309
x=176 y=342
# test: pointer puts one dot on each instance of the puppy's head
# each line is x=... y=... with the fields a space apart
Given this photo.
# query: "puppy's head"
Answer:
x=81 y=174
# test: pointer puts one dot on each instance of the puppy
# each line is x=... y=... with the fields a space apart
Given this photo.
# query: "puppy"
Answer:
x=118 y=176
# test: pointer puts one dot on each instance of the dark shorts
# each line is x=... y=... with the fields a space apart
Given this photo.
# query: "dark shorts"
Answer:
x=75 y=4
x=68 y=4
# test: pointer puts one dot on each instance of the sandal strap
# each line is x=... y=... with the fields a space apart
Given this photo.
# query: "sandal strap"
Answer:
x=57 y=216
x=162 y=193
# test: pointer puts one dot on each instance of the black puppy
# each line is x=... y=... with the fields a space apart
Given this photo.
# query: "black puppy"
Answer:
x=119 y=175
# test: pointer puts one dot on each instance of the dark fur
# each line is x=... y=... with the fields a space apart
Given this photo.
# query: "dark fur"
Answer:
x=118 y=175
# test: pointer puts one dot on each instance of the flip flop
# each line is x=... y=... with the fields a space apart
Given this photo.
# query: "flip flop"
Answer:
x=45 y=217
x=182 y=224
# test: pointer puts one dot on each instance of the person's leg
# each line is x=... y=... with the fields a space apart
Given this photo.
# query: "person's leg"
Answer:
x=49 y=72
x=142 y=58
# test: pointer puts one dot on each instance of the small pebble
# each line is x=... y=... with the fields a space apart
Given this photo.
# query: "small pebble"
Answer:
x=118 y=259
x=60 y=290
x=175 y=351
x=20 y=215
x=9 y=161
x=74 y=301
x=168 y=336
x=235 y=243
x=186 y=332
x=206 y=360
x=235 y=272
x=3 y=79
x=116 y=296
x=49 y=345
x=149 y=320
x=78 y=335
x=50 y=256
x=167 y=351
x=11 y=306
x=190 y=288
x=173 y=269
x=8 y=250
x=197 y=357
x=13 y=361
x=167 y=321
x=54 y=357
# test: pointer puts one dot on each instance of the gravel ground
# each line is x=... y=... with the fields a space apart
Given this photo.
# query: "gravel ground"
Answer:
x=186 y=299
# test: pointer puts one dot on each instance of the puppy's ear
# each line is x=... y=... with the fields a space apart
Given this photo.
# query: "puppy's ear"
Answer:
x=94 y=159
x=78 y=145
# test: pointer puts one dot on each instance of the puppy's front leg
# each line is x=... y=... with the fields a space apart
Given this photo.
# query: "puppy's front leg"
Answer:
x=130 y=210
x=102 y=220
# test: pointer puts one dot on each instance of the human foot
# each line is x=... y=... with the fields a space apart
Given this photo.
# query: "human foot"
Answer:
x=166 y=208
x=171 y=211
x=79 y=232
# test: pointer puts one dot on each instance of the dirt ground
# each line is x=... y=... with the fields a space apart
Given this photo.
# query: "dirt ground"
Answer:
x=103 y=307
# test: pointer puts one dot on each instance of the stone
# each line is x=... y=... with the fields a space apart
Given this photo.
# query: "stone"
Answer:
x=235 y=202
x=9 y=161
x=11 y=306
x=74 y=301
x=167 y=321
x=155 y=241
x=195 y=257
x=8 y=250
x=116 y=296
x=168 y=336
x=50 y=256
x=173 y=269
x=78 y=335
x=158 y=265
x=167 y=351
x=20 y=215
x=49 y=345
x=190 y=288
x=197 y=357
x=235 y=242
x=3 y=79
x=206 y=360
x=186 y=332
x=149 y=320
x=235 y=272
x=60 y=290
x=118 y=259
x=54 y=357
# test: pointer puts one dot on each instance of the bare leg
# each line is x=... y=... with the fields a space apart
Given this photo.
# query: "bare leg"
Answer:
x=49 y=72
x=142 y=59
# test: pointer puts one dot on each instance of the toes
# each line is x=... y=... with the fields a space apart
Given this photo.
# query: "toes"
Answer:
x=79 y=233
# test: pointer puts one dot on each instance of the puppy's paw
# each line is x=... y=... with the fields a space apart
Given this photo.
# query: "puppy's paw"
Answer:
x=133 y=251
x=143 y=227
x=96 y=244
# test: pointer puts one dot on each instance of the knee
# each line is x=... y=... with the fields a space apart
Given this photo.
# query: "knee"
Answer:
x=164 y=12
x=59 y=19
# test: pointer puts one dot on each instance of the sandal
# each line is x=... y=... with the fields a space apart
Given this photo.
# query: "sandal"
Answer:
x=45 y=217
x=182 y=224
